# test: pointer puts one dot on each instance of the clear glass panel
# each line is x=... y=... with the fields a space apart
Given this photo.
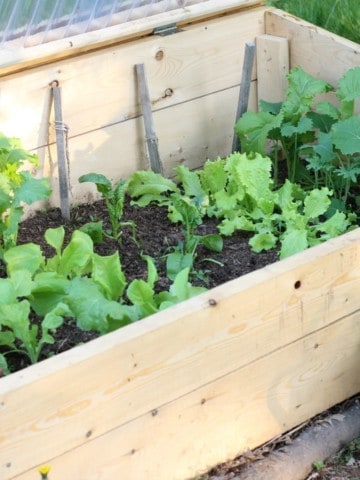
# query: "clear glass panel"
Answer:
x=39 y=21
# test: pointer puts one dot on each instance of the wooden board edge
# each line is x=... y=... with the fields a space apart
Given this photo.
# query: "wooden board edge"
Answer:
x=15 y=59
x=298 y=23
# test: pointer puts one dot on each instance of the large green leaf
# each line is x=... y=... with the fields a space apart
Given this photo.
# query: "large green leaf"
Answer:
x=16 y=317
x=22 y=282
x=7 y=291
x=349 y=90
x=328 y=109
x=213 y=176
x=92 y=310
x=55 y=237
x=254 y=128
x=191 y=183
x=304 y=125
x=54 y=318
x=212 y=241
x=103 y=184
x=293 y=241
x=32 y=189
x=107 y=272
x=262 y=241
x=346 y=135
x=301 y=91
x=229 y=226
x=141 y=294
x=334 y=226
x=182 y=289
x=177 y=261
x=286 y=198
x=24 y=257
x=324 y=147
x=49 y=288
x=151 y=183
x=316 y=203
x=76 y=255
x=255 y=175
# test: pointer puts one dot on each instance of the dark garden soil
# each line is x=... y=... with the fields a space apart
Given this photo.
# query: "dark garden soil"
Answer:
x=155 y=234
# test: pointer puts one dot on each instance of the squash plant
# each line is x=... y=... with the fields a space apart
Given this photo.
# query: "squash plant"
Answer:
x=17 y=187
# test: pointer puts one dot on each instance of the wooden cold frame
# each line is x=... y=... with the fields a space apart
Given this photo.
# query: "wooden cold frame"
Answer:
x=174 y=394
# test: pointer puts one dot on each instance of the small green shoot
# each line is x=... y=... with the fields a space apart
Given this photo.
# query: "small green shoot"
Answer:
x=318 y=465
x=114 y=197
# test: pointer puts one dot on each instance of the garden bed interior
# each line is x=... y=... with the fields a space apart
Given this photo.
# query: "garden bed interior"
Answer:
x=182 y=390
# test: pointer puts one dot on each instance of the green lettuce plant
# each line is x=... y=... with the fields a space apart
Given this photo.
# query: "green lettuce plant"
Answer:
x=289 y=217
x=39 y=294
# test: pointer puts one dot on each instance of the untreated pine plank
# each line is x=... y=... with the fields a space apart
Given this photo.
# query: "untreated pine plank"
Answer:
x=228 y=416
x=272 y=54
x=168 y=355
x=319 y=52
x=99 y=88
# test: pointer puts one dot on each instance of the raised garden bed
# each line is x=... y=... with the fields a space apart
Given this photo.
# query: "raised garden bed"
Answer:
x=182 y=390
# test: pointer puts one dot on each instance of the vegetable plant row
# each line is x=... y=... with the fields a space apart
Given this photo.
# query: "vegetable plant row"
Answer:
x=293 y=185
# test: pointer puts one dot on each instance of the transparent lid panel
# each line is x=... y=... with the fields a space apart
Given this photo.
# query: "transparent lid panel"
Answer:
x=32 y=22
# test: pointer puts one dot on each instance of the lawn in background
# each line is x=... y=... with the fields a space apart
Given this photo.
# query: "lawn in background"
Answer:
x=338 y=16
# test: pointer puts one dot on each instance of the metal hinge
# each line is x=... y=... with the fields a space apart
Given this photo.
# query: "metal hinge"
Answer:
x=164 y=30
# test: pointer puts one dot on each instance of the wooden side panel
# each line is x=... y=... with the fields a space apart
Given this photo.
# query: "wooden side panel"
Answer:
x=99 y=88
x=319 y=52
x=230 y=415
x=260 y=347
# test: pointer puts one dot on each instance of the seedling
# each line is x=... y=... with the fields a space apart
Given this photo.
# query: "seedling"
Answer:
x=114 y=197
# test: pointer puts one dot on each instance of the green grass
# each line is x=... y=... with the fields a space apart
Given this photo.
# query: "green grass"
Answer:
x=338 y=16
